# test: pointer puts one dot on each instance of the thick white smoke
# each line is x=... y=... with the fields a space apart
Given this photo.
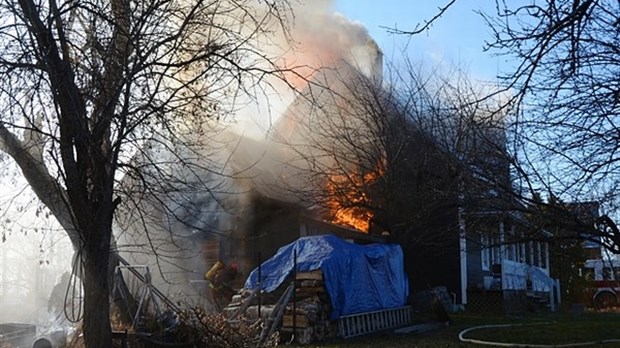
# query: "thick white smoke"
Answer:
x=242 y=160
x=318 y=39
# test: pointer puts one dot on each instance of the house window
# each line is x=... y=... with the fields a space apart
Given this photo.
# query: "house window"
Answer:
x=512 y=252
x=535 y=253
x=490 y=252
x=528 y=253
x=485 y=252
x=496 y=257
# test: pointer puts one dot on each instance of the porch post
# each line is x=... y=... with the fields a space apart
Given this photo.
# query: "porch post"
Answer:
x=463 y=255
x=552 y=295
x=502 y=243
x=547 y=265
x=559 y=292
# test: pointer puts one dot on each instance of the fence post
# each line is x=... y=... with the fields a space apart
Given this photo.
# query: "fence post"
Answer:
x=260 y=285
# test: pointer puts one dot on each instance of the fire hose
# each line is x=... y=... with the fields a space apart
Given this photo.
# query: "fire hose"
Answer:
x=525 y=345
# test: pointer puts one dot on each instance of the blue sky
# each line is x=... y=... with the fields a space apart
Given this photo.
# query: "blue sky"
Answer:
x=457 y=38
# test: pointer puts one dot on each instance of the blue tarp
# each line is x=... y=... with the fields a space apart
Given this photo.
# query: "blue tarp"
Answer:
x=358 y=278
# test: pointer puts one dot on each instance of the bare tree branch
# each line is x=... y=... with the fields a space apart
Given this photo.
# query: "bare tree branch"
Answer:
x=420 y=28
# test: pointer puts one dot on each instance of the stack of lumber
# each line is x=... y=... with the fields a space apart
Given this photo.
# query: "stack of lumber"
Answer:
x=245 y=303
x=308 y=316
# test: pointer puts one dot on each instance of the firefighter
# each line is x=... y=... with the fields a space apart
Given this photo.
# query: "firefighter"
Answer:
x=56 y=302
x=220 y=278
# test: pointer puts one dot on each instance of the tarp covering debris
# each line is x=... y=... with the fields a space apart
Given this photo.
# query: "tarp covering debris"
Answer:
x=358 y=278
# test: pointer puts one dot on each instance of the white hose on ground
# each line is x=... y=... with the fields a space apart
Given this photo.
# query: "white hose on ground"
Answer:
x=525 y=345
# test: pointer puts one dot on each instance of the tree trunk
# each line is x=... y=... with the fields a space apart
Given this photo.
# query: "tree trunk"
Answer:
x=96 y=326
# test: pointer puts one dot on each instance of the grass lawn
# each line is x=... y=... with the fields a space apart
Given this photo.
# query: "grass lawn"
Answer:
x=562 y=329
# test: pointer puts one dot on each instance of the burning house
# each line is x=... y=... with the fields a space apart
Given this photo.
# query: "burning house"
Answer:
x=344 y=156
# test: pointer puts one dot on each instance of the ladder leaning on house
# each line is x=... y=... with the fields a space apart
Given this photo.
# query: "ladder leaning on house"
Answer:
x=369 y=322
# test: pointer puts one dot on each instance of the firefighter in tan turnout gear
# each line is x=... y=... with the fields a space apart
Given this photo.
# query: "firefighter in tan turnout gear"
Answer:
x=220 y=278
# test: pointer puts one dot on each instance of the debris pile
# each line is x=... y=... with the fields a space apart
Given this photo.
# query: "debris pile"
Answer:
x=201 y=329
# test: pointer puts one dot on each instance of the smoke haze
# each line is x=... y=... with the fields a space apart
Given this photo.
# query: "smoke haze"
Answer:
x=240 y=160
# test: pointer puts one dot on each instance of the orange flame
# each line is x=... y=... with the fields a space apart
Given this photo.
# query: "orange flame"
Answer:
x=349 y=202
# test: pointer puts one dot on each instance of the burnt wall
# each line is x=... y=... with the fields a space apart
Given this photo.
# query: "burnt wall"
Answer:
x=274 y=225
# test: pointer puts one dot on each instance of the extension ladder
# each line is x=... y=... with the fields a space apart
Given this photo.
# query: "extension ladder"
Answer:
x=368 y=322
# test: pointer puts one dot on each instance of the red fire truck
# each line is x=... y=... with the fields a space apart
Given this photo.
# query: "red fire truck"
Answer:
x=604 y=276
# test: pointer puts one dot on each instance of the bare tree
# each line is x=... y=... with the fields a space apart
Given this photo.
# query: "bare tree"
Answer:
x=566 y=83
x=87 y=85
x=563 y=87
